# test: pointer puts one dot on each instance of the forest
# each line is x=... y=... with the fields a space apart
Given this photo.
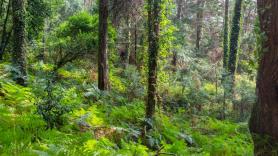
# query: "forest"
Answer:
x=138 y=77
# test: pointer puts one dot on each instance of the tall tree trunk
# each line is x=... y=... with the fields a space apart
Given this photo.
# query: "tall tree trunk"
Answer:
x=234 y=39
x=264 y=119
x=179 y=4
x=19 y=60
x=5 y=35
x=226 y=54
x=133 y=52
x=103 y=72
x=153 y=39
x=127 y=32
x=226 y=36
x=199 y=22
x=179 y=9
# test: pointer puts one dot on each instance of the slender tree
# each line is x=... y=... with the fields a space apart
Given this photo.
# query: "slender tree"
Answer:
x=234 y=39
x=264 y=119
x=19 y=60
x=103 y=75
x=226 y=52
x=133 y=52
x=199 y=22
x=153 y=39
x=5 y=33
x=226 y=36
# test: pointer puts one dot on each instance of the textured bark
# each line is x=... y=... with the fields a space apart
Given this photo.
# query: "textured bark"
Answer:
x=226 y=36
x=19 y=60
x=103 y=79
x=5 y=34
x=264 y=118
x=199 y=22
x=234 y=39
x=133 y=52
x=153 y=39
x=225 y=55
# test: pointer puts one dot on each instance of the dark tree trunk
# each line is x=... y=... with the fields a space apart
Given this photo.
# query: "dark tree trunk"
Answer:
x=153 y=39
x=226 y=54
x=103 y=79
x=199 y=22
x=264 y=119
x=133 y=54
x=5 y=35
x=19 y=60
x=226 y=36
x=175 y=60
x=234 y=39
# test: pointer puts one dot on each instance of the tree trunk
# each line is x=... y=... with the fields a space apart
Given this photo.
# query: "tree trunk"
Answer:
x=226 y=36
x=133 y=54
x=153 y=39
x=264 y=119
x=5 y=35
x=199 y=23
x=179 y=9
x=225 y=55
x=103 y=73
x=19 y=60
x=234 y=39
x=127 y=43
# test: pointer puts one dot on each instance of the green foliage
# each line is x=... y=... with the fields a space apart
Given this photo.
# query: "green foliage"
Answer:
x=37 y=12
x=62 y=112
x=131 y=113
x=76 y=38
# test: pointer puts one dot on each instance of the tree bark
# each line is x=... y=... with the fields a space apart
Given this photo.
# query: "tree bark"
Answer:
x=264 y=119
x=153 y=39
x=226 y=36
x=19 y=60
x=225 y=55
x=133 y=52
x=103 y=71
x=199 y=22
x=5 y=35
x=179 y=9
x=127 y=32
x=234 y=39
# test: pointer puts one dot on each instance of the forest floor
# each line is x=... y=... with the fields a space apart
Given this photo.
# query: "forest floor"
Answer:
x=108 y=125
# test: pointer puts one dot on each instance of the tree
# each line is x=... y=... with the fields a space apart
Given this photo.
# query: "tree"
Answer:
x=234 y=39
x=226 y=51
x=19 y=60
x=103 y=75
x=264 y=118
x=226 y=36
x=6 y=34
x=199 y=22
x=153 y=40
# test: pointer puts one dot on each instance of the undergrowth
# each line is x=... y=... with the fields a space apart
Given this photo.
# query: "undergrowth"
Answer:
x=99 y=125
